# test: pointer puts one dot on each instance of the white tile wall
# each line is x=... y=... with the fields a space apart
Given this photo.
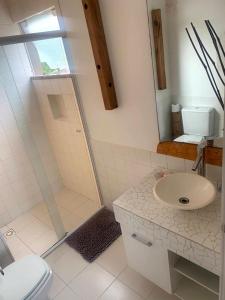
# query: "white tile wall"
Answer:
x=66 y=134
x=120 y=167
x=19 y=188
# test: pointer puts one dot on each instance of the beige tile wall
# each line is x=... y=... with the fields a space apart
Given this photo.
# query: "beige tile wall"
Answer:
x=120 y=167
x=67 y=137
x=19 y=188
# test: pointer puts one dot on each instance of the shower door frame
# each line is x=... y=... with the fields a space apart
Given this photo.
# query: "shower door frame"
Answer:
x=31 y=37
x=26 y=134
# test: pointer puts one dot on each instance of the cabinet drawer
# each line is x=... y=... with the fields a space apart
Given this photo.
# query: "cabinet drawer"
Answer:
x=149 y=260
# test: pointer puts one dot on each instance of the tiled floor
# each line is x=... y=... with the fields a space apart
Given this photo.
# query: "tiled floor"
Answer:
x=108 y=278
x=33 y=231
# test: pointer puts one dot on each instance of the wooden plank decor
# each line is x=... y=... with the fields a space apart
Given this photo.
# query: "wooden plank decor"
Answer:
x=97 y=36
x=159 y=48
x=213 y=155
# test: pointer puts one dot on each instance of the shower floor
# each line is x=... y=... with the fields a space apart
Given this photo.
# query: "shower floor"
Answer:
x=33 y=232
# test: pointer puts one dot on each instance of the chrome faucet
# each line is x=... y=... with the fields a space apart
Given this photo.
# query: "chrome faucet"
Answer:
x=199 y=163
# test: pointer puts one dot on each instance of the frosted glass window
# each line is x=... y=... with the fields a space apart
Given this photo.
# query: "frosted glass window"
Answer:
x=47 y=57
x=46 y=21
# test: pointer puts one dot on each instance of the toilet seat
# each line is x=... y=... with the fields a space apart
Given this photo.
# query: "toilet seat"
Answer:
x=25 y=278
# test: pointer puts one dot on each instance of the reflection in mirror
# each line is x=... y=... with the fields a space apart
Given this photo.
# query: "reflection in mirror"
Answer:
x=189 y=108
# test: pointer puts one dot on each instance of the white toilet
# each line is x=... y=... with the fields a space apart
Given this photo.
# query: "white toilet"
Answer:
x=26 y=279
x=198 y=122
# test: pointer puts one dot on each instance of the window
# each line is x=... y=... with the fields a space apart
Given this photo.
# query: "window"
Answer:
x=48 y=56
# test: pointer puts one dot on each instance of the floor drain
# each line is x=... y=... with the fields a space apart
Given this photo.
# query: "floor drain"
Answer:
x=184 y=200
x=10 y=232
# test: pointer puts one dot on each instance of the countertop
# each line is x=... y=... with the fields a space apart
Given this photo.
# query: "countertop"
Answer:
x=201 y=226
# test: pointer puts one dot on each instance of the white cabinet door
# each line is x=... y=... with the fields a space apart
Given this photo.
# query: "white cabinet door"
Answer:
x=149 y=260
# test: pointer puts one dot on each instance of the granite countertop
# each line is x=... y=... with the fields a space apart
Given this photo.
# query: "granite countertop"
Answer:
x=201 y=226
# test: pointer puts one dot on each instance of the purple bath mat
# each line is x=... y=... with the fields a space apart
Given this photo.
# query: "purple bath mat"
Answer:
x=93 y=237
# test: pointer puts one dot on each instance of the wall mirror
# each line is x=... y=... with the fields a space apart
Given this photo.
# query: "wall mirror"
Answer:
x=187 y=93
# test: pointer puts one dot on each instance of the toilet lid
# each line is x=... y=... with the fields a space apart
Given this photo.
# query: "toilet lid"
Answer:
x=23 y=277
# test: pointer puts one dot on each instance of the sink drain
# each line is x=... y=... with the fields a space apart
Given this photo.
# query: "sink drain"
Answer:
x=184 y=200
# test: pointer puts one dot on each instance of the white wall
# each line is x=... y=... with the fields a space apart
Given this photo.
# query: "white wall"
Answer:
x=126 y=28
x=119 y=137
x=134 y=122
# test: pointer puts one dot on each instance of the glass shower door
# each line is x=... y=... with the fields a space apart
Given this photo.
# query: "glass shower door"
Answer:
x=18 y=121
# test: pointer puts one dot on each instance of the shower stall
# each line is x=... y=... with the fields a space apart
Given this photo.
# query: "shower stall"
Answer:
x=48 y=185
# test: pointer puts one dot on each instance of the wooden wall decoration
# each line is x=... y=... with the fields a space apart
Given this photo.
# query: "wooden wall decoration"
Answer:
x=213 y=155
x=97 y=36
x=159 y=48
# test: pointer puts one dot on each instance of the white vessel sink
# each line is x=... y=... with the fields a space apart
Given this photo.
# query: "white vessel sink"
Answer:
x=184 y=191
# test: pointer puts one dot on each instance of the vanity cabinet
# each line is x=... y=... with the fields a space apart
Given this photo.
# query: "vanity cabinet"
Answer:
x=177 y=250
x=148 y=259
x=169 y=271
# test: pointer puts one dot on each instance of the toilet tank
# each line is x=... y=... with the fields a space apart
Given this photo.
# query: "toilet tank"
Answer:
x=198 y=120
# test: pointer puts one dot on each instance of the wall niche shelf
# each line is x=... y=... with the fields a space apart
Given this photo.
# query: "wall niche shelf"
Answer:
x=57 y=106
x=196 y=283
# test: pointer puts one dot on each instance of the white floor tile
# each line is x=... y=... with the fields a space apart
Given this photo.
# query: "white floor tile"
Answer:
x=17 y=247
x=136 y=282
x=87 y=209
x=57 y=286
x=22 y=222
x=35 y=230
x=114 y=259
x=70 y=201
x=68 y=265
x=70 y=220
x=57 y=253
x=159 y=294
x=40 y=211
x=32 y=232
x=119 y=291
x=92 y=282
x=44 y=242
x=67 y=294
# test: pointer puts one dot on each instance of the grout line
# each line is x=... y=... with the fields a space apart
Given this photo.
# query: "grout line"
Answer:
x=127 y=284
x=54 y=274
x=115 y=277
x=68 y=283
x=66 y=287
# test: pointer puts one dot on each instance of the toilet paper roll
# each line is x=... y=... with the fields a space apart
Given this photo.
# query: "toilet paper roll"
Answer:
x=176 y=107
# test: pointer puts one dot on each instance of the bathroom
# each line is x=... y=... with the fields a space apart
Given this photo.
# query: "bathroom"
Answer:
x=65 y=154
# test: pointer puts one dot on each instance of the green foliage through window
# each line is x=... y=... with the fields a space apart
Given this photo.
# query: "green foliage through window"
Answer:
x=47 y=70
